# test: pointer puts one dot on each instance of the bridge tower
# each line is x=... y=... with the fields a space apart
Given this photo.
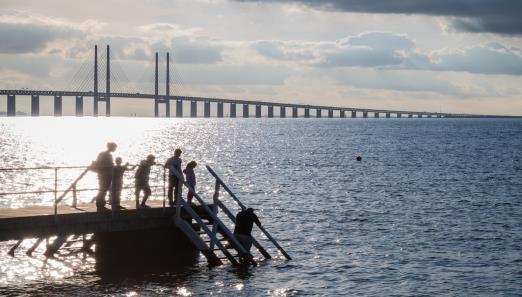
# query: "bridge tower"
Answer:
x=96 y=96
x=156 y=110
x=108 y=85
x=167 y=90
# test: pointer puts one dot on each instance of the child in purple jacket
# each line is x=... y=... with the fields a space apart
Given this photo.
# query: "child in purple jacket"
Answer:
x=190 y=177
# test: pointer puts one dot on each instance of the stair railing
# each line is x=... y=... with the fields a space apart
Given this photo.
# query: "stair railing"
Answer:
x=243 y=207
x=216 y=221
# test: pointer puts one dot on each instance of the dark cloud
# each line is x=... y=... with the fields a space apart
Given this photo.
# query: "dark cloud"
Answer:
x=19 y=38
x=494 y=16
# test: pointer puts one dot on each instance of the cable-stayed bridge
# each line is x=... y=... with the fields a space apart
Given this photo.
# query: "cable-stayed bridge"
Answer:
x=112 y=75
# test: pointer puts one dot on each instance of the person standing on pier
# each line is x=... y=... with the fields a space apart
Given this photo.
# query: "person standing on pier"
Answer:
x=104 y=166
x=142 y=181
x=117 y=182
x=174 y=165
x=191 y=179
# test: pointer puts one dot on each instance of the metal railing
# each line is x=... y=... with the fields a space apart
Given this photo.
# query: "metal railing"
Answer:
x=61 y=194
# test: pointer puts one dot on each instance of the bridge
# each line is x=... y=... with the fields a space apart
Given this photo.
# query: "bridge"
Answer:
x=165 y=99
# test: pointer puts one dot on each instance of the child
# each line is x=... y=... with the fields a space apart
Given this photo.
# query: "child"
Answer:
x=117 y=181
x=142 y=181
x=190 y=178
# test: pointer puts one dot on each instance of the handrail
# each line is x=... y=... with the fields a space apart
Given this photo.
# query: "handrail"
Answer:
x=218 y=179
x=216 y=220
x=73 y=185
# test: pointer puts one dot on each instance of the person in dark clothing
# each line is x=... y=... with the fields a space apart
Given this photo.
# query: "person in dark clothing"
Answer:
x=103 y=166
x=117 y=182
x=174 y=165
x=245 y=220
x=190 y=177
x=142 y=181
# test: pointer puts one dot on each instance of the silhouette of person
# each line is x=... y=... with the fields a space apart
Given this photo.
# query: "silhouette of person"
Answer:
x=245 y=220
x=103 y=166
x=142 y=181
x=117 y=181
x=174 y=164
x=190 y=177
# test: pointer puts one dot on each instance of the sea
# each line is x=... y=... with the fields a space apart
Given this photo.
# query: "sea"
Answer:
x=434 y=208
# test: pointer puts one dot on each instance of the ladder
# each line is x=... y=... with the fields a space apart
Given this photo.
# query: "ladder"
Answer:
x=211 y=240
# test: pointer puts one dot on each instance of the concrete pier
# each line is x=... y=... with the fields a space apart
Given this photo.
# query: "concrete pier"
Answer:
x=220 y=109
x=354 y=114
x=79 y=106
x=35 y=105
x=342 y=114
x=388 y=115
x=193 y=109
x=258 y=110
x=57 y=106
x=179 y=108
x=11 y=105
x=245 y=111
x=270 y=111
x=206 y=109
x=330 y=113
x=294 y=112
x=419 y=115
x=307 y=113
x=282 y=112
x=376 y=115
x=399 y=115
x=410 y=115
x=365 y=114
x=232 y=110
x=318 y=113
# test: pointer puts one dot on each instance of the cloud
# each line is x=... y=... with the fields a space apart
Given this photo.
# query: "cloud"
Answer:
x=492 y=58
x=32 y=38
x=393 y=51
x=499 y=16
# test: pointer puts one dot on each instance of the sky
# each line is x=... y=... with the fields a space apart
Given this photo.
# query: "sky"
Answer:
x=462 y=56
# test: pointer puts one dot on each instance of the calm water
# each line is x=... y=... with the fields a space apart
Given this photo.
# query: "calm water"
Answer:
x=434 y=208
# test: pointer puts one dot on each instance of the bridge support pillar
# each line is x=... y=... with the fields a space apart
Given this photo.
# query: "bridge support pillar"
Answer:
x=399 y=115
x=232 y=110
x=282 y=112
x=270 y=111
x=318 y=113
x=342 y=114
x=307 y=113
x=365 y=114
x=429 y=116
x=207 y=109
x=193 y=109
x=354 y=114
x=330 y=113
x=294 y=112
x=179 y=108
x=419 y=115
x=57 y=106
x=410 y=115
x=220 y=109
x=167 y=107
x=245 y=110
x=258 y=110
x=388 y=115
x=79 y=106
x=11 y=105
x=35 y=105
x=376 y=115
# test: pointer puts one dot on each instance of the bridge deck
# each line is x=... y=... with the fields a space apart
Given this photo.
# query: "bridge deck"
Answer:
x=33 y=222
